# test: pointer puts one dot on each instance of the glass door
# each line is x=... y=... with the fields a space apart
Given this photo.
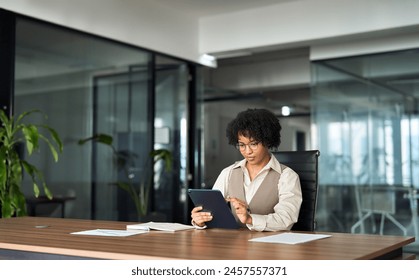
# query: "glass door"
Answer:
x=171 y=133
x=121 y=111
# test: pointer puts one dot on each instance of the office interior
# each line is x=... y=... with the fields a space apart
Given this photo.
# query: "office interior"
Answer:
x=353 y=97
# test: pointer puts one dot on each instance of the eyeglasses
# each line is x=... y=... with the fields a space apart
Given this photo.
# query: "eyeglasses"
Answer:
x=242 y=147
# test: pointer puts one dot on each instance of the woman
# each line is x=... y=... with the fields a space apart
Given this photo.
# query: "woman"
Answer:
x=264 y=195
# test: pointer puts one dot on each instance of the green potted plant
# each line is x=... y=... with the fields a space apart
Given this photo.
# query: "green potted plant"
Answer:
x=14 y=132
x=124 y=160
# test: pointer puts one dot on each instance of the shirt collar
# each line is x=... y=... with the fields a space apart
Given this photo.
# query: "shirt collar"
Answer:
x=273 y=163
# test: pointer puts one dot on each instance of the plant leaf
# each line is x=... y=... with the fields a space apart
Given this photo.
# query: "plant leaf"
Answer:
x=26 y=113
x=124 y=186
x=47 y=191
x=35 y=189
x=12 y=132
x=54 y=136
x=51 y=147
x=36 y=175
x=3 y=169
x=31 y=136
x=4 y=119
x=7 y=209
x=19 y=202
x=15 y=176
x=100 y=138
x=165 y=155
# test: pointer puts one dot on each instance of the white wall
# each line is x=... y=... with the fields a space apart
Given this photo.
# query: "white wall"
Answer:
x=141 y=23
x=303 y=22
x=147 y=24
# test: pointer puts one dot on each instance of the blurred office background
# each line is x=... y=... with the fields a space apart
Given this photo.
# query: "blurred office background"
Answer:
x=172 y=74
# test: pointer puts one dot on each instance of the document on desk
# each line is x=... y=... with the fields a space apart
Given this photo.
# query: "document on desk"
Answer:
x=108 y=232
x=290 y=238
x=172 y=227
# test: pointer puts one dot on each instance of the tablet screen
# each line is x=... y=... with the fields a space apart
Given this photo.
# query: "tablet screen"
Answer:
x=214 y=202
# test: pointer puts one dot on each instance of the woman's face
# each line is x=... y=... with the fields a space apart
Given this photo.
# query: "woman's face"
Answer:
x=254 y=152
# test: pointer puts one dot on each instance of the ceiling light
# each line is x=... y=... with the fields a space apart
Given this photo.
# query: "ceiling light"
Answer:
x=208 y=60
x=285 y=110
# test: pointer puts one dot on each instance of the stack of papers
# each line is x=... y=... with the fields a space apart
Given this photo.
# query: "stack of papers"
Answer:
x=108 y=232
x=172 y=227
x=290 y=238
x=135 y=229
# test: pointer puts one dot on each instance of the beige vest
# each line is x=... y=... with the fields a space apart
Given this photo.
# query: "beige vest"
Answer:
x=265 y=198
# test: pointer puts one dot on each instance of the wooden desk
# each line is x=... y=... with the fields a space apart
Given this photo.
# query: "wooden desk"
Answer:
x=20 y=235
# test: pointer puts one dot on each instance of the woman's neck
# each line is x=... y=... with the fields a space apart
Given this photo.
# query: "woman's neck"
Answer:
x=254 y=169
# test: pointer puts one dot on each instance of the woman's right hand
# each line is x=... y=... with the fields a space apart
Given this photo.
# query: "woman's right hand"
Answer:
x=200 y=218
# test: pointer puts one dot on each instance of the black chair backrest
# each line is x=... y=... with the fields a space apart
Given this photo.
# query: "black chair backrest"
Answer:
x=305 y=164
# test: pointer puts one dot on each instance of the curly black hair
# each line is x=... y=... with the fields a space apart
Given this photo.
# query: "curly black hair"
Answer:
x=260 y=125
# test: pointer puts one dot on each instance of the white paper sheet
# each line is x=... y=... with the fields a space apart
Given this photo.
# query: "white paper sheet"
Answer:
x=108 y=232
x=290 y=238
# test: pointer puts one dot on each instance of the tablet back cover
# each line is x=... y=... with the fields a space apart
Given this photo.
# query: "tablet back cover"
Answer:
x=214 y=202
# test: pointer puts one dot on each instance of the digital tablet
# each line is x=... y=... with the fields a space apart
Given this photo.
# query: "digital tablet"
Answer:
x=214 y=202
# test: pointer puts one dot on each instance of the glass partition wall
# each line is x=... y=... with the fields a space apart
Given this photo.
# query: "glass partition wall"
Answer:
x=171 y=132
x=365 y=116
x=88 y=86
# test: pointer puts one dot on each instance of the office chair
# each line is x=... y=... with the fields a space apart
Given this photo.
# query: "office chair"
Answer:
x=305 y=164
